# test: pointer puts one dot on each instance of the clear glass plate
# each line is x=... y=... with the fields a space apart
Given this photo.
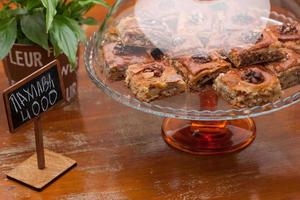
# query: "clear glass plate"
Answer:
x=185 y=106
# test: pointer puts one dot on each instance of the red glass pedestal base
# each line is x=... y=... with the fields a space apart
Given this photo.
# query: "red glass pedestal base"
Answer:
x=208 y=137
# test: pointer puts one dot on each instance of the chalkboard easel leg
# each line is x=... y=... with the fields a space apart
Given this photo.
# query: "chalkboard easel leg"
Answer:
x=39 y=143
x=38 y=177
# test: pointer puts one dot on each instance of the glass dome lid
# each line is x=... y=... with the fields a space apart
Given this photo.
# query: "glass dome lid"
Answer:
x=194 y=24
x=178 y=27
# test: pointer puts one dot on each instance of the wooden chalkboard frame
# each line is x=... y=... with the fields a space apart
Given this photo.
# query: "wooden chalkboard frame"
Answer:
x=10 y=89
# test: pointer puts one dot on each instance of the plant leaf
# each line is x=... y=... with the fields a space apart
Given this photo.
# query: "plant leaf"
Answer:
x=109 y=14
x=89 y=21
x=4 y=13
x=18 y=11
x=21 y=2
x=63 y=37
x=8 y=35
x=34 y=28
x=30 y=4
x=74 y=25
x=57 y=50
x=78 y=8
x=21 y=38
x=100 y=2
x=5 y=22
x=50 y=6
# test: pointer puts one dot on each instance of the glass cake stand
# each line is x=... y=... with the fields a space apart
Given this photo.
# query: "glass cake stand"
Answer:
x=198 y=123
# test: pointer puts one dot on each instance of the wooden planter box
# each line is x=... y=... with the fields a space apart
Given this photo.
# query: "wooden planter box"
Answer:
x=25 y=59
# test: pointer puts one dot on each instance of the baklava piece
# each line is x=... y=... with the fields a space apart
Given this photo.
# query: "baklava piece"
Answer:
x=130 y=33
x=288 y=34
x=118 y=57
x=254 y=48
x=201 y=68
x=146 y=33
x=287 y=69
x=193 y=31
x=184 y=42
x=154 y=80
x=248 y=87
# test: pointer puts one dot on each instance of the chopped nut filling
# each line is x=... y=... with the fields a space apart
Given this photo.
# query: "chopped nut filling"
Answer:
x=156 y=69
x=201 y=58
x=288 y=29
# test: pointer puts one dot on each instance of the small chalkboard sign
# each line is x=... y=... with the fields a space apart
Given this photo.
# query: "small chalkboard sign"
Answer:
x=27 y=101
x=33 y=95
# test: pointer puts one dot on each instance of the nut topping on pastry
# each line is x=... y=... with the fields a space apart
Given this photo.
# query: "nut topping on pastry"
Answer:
x=252 y=76
x=288 y=29
x=252 y=86
x=202 y=58
x=252 y=37
x=156 y=69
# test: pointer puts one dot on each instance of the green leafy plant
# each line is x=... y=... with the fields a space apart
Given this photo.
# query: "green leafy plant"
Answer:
x=47 y=23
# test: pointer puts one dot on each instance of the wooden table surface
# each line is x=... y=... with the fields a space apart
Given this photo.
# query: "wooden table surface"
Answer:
x=121 y=155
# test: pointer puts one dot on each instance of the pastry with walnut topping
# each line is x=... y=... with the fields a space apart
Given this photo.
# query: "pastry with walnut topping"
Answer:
x=144 y=32
x=254 y=47
x=117 y=57
x=287 y=69
x=249 y=86
x=154 y=81
x=201 y=68
x=288 y=34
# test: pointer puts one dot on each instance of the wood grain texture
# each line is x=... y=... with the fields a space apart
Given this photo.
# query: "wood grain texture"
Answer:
x=29 y=173
x=121 y=155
